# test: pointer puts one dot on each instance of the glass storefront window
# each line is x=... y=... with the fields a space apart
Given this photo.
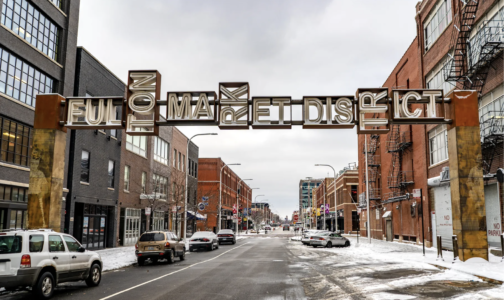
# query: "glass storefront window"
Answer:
x=15 y=142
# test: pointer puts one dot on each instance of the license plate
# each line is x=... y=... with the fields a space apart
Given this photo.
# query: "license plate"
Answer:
x=151 y=248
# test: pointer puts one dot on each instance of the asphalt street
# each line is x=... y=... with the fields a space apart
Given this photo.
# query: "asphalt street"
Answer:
x=274 y=267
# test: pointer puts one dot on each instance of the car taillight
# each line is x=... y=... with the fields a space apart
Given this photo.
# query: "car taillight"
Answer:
x=321 y=239
x=221 y=235
x=311 y=237
x=167 y=244
x=136 y=246
x=205 y=240
x=26 y=261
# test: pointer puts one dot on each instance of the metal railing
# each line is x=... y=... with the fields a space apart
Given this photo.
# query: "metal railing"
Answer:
x=406 y=177
x=374 y=160
x=492 y=121
x=489 y=36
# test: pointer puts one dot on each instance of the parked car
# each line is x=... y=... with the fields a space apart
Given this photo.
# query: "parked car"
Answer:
x=226 y=235
x=329 y=239
x=267 y=227
x=155 y=245
x=286 y=228
x=309 y=233
x=43 y=258
x=298 y=226
x=203 y=240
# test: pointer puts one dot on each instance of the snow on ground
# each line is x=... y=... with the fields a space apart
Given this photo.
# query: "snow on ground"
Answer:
x=493 y=269
x=116 y=258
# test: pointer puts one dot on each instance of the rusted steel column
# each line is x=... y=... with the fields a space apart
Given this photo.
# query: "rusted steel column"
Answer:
x=466 y=176
x=47 y=164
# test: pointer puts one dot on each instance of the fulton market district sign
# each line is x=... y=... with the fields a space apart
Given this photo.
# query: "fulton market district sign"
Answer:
x=233 y=108
x=372 y=110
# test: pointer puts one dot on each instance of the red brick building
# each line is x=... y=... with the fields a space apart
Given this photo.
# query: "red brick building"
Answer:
x=409 y=155
x=347 y=184
x=209 y=185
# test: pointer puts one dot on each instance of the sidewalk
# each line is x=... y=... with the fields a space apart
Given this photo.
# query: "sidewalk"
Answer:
x=492 y=269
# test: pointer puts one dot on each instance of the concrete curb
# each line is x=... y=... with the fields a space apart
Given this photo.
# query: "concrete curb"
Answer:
x=489 y=280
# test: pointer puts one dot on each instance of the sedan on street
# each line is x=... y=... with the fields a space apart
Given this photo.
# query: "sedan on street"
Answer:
x=309 y=233
x=226 y=236
x=203 y=240
x=329 y=239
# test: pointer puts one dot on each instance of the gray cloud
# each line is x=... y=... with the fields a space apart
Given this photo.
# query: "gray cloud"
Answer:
x=283 y=48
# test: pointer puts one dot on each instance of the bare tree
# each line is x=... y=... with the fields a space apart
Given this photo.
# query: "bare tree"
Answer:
x=257 y=216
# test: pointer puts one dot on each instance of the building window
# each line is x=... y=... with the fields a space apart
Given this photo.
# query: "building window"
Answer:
x=126 y=178
x=13 y=193
x=438 y=144
x=174 y=158
x=179 y=161
x=160 y=186
x=15 y=142
x=84 y=176
x=438 y=80
x=441 y=18
x=20 y=80
x=137 y=144
x=58 y=3
x=111 y=173
x=490 y=120
x=31 y=25
x=144 y=182
x=183 y=164
x=161 y=151
x=196 y=170
x=18 y=219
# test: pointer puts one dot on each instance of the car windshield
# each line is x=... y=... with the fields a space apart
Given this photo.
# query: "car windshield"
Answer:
x=152 y=237
x=324 y=233
x=10 y=244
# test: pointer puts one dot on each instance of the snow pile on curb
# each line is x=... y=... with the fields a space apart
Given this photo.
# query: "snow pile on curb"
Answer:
x=116 y=258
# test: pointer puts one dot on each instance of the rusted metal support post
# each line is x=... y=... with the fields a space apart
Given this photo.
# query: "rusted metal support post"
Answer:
x=439 y=248
x=466 y=176
x=455 y=247
x=47 y=165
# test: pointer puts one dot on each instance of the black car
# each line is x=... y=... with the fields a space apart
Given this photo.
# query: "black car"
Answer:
x=226 y=236
x=286 y=227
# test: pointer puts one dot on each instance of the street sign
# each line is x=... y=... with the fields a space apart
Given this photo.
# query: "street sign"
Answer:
x=206 y=203
x=295 y=218
x=327 y=208
x=205 y=199
x=417 y=193
x=201 y=206
x=234 y=209
x=147 y=211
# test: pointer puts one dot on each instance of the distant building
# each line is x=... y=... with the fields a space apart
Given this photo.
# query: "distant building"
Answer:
x=306 y=187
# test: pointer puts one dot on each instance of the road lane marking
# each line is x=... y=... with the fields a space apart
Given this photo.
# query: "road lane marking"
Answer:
x=155 y=279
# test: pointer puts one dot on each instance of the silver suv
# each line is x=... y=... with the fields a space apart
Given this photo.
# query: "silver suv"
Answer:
x=41 y=259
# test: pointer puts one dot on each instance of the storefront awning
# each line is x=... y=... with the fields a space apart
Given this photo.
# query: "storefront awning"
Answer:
x=387 y=214
x=191 y=216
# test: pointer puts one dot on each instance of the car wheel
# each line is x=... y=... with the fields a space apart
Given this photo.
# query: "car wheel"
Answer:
x=329 y=245
x=234 y=242
x=347 y=244
x=94 y=277
x=217 y=246
x=45 y=286
x=182 y=257
x=171 y=257
x=220 y=243
x=191 y=250
x=314 y=246
x=141 y=261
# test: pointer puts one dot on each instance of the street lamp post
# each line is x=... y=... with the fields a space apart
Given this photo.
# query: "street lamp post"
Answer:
x=238 y=203
x=187 y=180
x=248 y=215
x=335 y=199
x=220 y=195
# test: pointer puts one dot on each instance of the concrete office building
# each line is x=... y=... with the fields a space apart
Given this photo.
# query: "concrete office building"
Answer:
x=38 y=48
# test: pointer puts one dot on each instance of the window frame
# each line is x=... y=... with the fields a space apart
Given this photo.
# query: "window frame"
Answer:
x=161 y=145
x=127 y=176
x=436 y=136
x=134 y=143
x=21 y=136
x=111 y=174
x=88 y=166
x=74 y=240
x=49 y=242
x=437 y=19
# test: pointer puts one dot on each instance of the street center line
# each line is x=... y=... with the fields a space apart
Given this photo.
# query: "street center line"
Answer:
x=152 y=280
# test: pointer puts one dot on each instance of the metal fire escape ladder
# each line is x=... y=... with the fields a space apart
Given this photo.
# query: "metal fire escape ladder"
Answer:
x=463 y=22
x=397 y=181
x=373 y=168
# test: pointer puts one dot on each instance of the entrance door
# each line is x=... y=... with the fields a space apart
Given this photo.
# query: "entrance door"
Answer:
x=444 y=223
x=131 y=226
x=389 y=232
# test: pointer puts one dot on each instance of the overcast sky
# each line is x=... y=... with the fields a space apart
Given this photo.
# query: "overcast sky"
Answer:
x=282 y=48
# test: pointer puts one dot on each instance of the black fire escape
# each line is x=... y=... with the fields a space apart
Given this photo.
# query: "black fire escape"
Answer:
x=374 y=163
x=398 y=180
x=469 y=66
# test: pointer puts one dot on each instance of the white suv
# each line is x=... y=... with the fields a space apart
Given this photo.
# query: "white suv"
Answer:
x=41 y=259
